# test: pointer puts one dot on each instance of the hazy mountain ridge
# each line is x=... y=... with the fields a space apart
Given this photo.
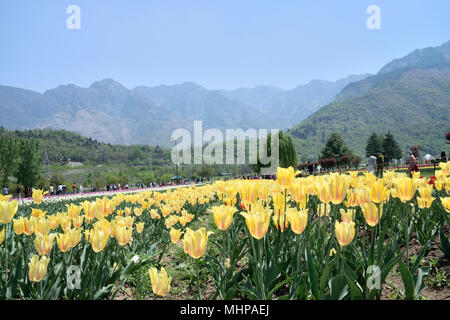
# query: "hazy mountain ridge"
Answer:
x=110 y=112
x=409 y=96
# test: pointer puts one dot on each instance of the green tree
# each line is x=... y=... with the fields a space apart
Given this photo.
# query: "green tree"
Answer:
x=335 y=148
x=287 y=154
x=374 y=145
x=9 y=156
x=391 y=147
x=29 y=168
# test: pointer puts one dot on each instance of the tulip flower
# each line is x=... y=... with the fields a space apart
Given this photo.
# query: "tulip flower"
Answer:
x=345 y=232
x=44 y=243
x=352 y=200
x=405 y=188
x=175 y=235
x=285 y=177
x=323 y=191
x=258 y=222
x=297 y=219
x=363 y=195
x=425 y=199
x=378 y=191
x=138 y=211
x=98 y=239
x=338 y=187
x=249 y=191
x=7 y=210
x=123 y=235
x=89 y=210
x=5 y=198
x=348 y=215
x=372 y=213
x=299 y=192
x=75 y=236
x=38 y=213
x=37 y=268
x=28 y=226
x=139 y=227
x=64 y=242
x=77 y=222
x=38 y=195
x=19 y=226
x=41 y=226
x=223 y=216
x=194 y=242
x=446 y=204
x=160 y=281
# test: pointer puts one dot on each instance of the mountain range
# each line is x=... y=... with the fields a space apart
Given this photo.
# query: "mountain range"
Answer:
x=409 y=96
x=109 y=112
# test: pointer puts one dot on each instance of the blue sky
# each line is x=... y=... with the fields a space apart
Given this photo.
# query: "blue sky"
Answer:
x=218 y=44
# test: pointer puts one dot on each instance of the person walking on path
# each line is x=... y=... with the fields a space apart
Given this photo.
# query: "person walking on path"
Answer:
x=380 y=163
x=412 y=165
x=371 y=162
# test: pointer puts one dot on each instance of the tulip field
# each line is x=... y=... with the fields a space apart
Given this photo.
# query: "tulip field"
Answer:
x=328 y=237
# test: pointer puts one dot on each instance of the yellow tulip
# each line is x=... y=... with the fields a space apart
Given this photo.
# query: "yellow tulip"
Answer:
x=105 y=207
x=372 y=213
x=285 y=177
x=363 y=195
x=345 y=232
x=38 y=213
x=194 y=242
x=446 y=204
x=297 y=219
x=41 y=226
x=323 y=191
x=75 y=236
x=44 y=243
x=28 y=226
x=175 y=235
x=139 y=227
x=89 y=210
x=249 y=191
x=347 y=216
x=378 y=191
x=425 y=199
x=223 y=216
x=258 y=222
x=7 y=210
x=37 y=268
x=64 y=242
x=352 y=199
x=77 y=222
x=279 y=203
x=138 y=211
x=5 y=198
x=53 y=221
x=445 y=166
x=98 y=239
x=2 y=235
x=73 y=210
x=19 y=226
x=123 y=235
x=405 y=188
x=38 y=195
x=339 y=185
x=299 y=192
x=160 y=281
